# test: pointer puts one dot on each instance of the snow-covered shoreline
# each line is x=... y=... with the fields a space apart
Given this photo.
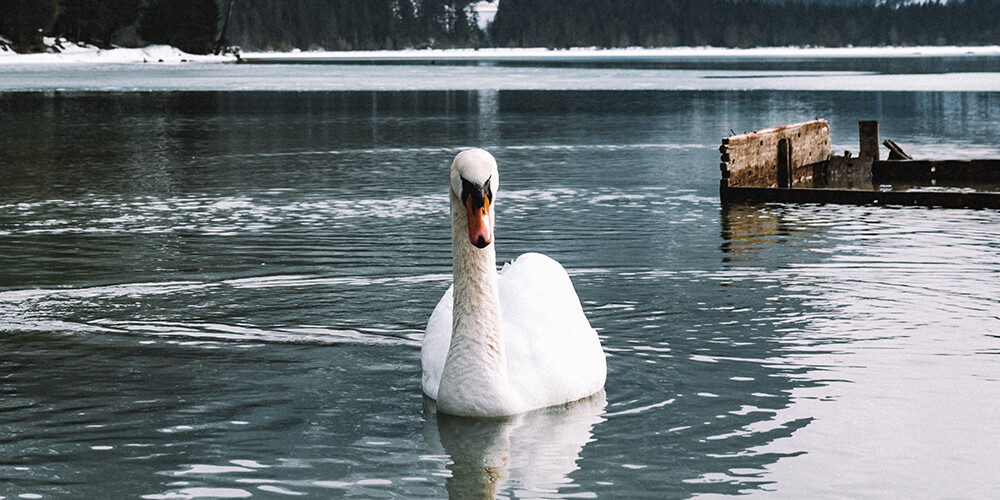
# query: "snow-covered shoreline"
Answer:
x=593 y=53
x=65 y=52
x=71 y=53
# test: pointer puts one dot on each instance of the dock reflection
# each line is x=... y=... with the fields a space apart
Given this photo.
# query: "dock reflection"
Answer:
x=753 y=232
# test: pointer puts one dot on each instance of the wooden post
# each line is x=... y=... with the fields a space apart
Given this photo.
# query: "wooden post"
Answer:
x=784 y=163
x=868 y=133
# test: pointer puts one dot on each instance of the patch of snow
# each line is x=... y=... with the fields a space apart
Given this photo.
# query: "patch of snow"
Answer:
x=487 y=10
x=64 y=51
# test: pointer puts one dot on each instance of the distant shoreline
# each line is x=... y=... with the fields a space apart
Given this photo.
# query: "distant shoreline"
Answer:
x=74 y=54
x=593 y=54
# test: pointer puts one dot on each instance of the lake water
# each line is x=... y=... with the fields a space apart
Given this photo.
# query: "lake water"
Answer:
x=208 y=292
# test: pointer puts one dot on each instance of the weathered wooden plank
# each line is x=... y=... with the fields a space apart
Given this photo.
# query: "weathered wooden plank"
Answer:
x=930 y=171
x=751 y=159
x=847 y=172
x=895 y=151
x=944 y=199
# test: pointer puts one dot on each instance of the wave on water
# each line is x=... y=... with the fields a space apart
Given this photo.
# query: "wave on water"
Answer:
x=272 y=210
x=223 y=215
x=302 y=334
x=129 y=309
x=455 y=150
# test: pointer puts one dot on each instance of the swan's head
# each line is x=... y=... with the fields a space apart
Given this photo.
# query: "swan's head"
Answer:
x=474 y=183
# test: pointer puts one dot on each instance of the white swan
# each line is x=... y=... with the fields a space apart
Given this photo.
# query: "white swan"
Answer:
x=503 y=344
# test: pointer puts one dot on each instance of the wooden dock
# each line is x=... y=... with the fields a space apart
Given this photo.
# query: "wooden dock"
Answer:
x=794 y=164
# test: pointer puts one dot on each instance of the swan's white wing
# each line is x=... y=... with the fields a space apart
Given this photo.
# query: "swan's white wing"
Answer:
x=553 y=354
x=434 y=349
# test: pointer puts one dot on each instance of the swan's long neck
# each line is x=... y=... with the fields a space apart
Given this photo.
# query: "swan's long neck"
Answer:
x=474 y=380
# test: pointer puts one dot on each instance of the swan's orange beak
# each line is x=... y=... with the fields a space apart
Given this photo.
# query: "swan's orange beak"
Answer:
x=480 y=233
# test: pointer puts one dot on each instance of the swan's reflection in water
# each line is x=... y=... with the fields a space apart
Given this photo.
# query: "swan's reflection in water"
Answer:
x=533 y=452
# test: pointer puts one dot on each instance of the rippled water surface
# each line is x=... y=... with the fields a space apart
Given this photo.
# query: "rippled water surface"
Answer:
x=222 y=294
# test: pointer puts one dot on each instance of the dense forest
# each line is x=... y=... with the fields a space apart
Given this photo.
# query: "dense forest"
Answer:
x=725 y=23
x=353 y=24
x=191 y=25
x=197 y=25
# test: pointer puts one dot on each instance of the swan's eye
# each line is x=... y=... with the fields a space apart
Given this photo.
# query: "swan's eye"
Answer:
x=478 y=197
x=468 y=190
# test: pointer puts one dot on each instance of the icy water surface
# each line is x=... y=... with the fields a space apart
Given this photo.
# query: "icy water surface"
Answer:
x=222 y=294
x=812 y=70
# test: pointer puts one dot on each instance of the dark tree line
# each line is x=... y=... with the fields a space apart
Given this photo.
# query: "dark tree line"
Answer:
x=353 y=24
x=728 y=23
x=190 y=25
x=95 y=22
x=25 y=21
x=193 y=25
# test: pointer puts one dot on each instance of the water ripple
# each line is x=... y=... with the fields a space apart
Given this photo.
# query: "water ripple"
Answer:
x=219 y=216
x=66 y=310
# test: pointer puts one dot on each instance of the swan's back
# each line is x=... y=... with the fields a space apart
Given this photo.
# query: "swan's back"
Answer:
x=553 y=354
